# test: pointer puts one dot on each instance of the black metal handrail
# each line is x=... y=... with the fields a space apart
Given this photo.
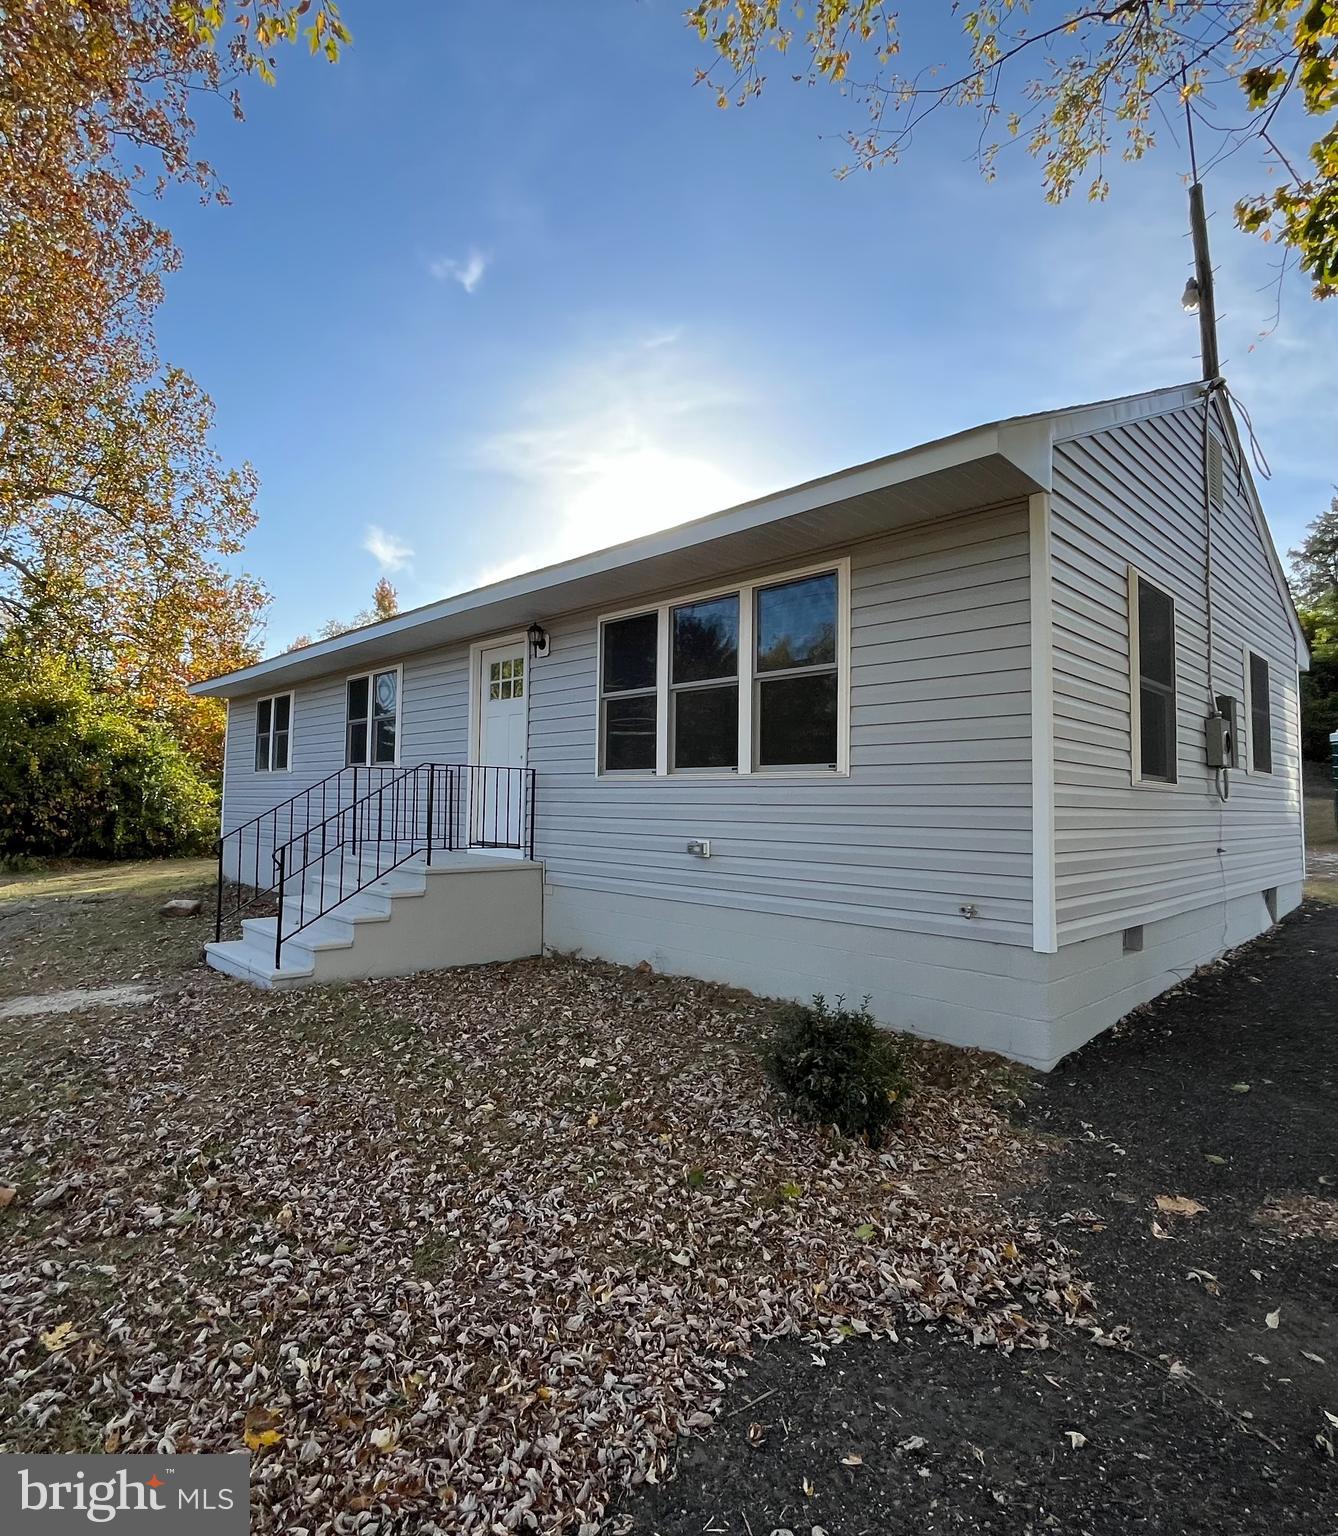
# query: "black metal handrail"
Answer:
x=244 y=852
x=410 y=811
x=407 y=815
x=429 y=806
x=495 y=807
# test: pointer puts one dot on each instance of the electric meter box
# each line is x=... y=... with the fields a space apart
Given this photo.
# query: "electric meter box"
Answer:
x=1222 y=734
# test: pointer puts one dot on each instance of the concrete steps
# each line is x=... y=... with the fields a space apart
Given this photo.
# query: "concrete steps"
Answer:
x=466 y=909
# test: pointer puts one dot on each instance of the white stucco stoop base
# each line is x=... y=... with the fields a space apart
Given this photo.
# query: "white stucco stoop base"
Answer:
x=1035 y=1008
x=467 y=909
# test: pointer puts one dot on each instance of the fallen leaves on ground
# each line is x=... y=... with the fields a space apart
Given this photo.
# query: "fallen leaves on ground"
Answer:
x=1299 y=1218
x=435 y=1250
x=1179 y=1205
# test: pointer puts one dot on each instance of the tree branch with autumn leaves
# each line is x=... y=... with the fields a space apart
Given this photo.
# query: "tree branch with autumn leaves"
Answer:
x=118 y=521
x=1097 y=73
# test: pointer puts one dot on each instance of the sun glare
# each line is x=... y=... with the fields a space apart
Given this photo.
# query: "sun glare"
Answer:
x=642 y=491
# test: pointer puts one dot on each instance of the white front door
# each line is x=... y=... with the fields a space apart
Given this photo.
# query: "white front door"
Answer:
x=503 y=702
x=498 y=795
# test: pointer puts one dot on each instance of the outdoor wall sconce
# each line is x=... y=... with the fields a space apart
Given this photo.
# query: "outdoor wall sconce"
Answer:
x=538 y=638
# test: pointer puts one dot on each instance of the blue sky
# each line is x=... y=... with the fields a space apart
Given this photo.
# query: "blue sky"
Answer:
x=484 y=299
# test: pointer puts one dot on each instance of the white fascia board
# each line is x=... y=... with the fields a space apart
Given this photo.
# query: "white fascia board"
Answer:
x=1083 y=420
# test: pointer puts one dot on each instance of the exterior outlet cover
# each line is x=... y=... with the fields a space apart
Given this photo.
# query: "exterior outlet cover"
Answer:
x=700 y=847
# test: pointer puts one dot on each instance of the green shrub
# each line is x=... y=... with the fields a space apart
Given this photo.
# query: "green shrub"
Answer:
x=81 y=777
x=838 y=1066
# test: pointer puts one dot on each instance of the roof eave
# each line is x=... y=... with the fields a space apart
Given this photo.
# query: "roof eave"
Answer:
x=1020 y=448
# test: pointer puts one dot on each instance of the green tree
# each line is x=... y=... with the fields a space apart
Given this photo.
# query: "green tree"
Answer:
x=1315 y=561
x=1075 y=83
x=80 y=776
x=1315 y=577
x=1319 y=686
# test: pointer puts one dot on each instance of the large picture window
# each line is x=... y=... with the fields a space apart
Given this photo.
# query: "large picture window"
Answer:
x=1261 y=714
x=748 y=680
x=274 y=727
x=1153 y=652
x=373 y=709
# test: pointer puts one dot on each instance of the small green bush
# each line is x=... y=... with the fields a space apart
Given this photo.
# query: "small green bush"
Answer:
x=83 y=776
x=838 y=1066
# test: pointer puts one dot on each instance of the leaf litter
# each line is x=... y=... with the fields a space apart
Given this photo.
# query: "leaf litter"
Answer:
x=464 y=1252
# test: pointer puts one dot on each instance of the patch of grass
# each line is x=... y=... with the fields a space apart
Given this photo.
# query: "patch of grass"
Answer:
x=1322 y=890
x=1321 y=827
x=96 y=925
x=133 y=877
x=434 y=1255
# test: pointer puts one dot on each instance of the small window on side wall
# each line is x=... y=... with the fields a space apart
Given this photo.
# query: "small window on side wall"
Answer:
x=1153 y=623
x=1261 y=715
x=274 y=726
x=628 y=671
x=372 y=727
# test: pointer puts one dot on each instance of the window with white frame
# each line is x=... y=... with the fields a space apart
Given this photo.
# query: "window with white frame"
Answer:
x=274 y=729
x=748 y=680
x=1153 y=656
x=704 y=683
x=797 y=679
x=372 y=729
x=628 y=729
x=1259 y=704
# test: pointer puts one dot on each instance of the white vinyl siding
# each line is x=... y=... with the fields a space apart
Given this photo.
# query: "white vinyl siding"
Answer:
x=936 y=811
x=1127 y=854
x=434 y=728
x=934 y=815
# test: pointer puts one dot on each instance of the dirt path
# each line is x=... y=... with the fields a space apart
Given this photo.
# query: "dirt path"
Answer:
x=1223 y=1094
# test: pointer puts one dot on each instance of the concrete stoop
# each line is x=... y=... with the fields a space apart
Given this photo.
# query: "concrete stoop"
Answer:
x=467 y=909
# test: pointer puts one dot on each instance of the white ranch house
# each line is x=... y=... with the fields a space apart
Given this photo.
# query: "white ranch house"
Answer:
x=1001 y=730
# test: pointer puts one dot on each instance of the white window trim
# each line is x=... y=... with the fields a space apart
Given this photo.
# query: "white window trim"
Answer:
x=1247 y=709
x=271 y=698
x=369 y=673
x=747 y=678
x=1134 y=577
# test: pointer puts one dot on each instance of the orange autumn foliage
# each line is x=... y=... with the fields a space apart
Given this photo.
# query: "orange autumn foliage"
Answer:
x=119 y=523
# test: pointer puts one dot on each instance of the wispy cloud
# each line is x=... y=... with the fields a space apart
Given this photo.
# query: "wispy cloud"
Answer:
x=664 y=338
x=389 y=552
x=468 y=272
